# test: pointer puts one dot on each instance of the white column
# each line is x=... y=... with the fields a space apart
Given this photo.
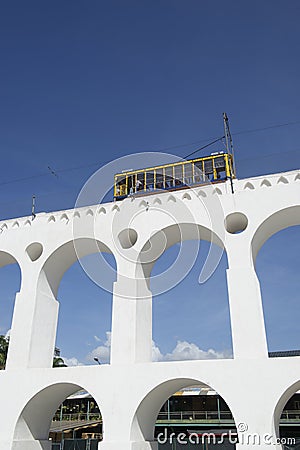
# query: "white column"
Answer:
x=34 y=324
x=256 y=430
x=246 y=313
x=131 y=340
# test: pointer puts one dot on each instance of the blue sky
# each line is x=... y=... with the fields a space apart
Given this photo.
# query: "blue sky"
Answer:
x=82 y=84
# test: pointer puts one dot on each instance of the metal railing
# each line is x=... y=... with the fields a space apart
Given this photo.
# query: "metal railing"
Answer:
x=204 y=416
x=76 y=417
x=292 y=415
x=76 y=444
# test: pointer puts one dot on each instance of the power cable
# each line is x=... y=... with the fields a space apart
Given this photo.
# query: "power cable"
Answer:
x=69 y=169
x=254 y=130
x=205 y=146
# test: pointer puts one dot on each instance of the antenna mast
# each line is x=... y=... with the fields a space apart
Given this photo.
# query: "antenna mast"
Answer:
x=33 y=215
x=228 y=139
x=229 y=148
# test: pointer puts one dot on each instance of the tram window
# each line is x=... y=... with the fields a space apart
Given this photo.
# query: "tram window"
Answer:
x=131 y=184
x=220 y=163
x=149 y=180
x=208 y=166
x=169 y=182
x=159 y=179
x=169 y=177
x=188 y=173
x=140 y=181
x=220 y=166
x=198 y=175
x=120 y=185
x=178 y=174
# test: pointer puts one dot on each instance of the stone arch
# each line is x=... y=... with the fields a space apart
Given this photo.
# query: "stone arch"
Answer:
x=276 y=267
x=173 y=234
x=34 y=420
x=7 y=259
x=281 y=402
x=46 y=316
x=10 y=289
x=186 y=345
x=281 y=219
x=63 y=257
x=143 y=423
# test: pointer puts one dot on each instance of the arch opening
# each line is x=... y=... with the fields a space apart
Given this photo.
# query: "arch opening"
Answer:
x=62 y=411
x=190 y=317
x=83 y=325
x=178 y=412
x=10 y=282
x=63 y=258
x=277 y=267
x=284 y=218
x=286 y=417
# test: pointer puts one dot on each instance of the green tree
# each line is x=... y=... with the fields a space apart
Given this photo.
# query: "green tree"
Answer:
x=4 y=343
x=58 y=362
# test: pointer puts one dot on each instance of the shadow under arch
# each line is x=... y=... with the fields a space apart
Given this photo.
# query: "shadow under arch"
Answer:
x=278 y=221
x=7 y=259
x=63 y=257
x=165 y=238
x=143 y=423
x=33 y=424
x=282 y=401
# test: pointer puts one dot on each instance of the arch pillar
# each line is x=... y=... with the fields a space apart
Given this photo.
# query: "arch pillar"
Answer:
x=131 y=321
x=34 y=324
x=245 y=303
x=255 y=427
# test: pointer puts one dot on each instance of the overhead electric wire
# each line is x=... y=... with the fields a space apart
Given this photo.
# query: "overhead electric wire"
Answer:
x=42 y=195
x=268 y=155
x=205 y=146
x=254 y=130
x=69 y=169
x=18 y=180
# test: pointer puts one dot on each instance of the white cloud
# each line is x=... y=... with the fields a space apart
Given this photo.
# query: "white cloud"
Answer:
x=7 y=334
x=187 y=351
x=97 y=338
x=183 y=351
x=71 y=362
x=102 y=352
x=156 y=353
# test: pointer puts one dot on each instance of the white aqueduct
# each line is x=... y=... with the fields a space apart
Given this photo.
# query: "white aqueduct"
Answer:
x=131 y=389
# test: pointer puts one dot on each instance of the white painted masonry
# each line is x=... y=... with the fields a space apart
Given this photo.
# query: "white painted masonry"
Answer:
x=131 y=390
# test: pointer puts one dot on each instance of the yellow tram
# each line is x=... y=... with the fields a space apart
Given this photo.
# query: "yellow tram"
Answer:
x=179 y=175
x=216 y=167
